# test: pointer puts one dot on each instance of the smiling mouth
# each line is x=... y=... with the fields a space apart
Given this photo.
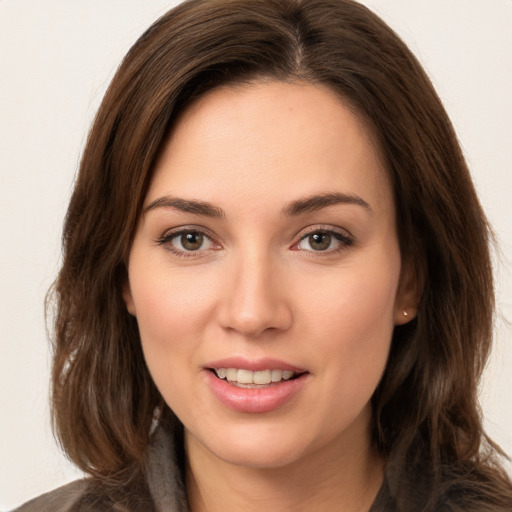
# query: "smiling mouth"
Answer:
x=243 y=378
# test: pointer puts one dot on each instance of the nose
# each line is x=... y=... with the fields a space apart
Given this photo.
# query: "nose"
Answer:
x=254 y=298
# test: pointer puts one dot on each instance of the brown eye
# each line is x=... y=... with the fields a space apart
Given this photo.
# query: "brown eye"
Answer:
x=319 y=241
x=188 y=243
x=191 y=241
x=326 y=241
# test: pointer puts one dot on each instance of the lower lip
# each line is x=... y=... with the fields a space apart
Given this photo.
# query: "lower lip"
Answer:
x=255 y=400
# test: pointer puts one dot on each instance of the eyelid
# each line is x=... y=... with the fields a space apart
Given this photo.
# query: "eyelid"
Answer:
x=343 y=235
x=169 y=234
x=326 y=228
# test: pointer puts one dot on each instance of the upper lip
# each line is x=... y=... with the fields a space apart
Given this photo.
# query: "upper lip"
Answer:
x=254 y=365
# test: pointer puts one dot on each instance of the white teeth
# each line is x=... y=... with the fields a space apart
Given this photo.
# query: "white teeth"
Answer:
x=244 y=376
x=262 y=377
x=221 y=373
x=277 y=375
x=231 y=374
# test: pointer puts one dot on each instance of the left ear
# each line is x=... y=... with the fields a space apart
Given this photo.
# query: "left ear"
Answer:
x=128 y=298
x=410 y=289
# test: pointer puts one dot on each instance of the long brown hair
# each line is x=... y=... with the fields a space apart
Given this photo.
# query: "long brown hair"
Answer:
x=426 y=404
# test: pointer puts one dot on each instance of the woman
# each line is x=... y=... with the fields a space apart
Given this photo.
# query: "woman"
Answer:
x=267 y=297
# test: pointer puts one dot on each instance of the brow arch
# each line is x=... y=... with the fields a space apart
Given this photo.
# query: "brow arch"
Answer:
x=319 y=201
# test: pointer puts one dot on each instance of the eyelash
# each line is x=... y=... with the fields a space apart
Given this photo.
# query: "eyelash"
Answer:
x=167 y=238
x=345 y=241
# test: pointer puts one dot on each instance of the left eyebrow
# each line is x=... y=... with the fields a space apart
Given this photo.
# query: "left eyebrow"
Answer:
x=187 y=206
x=319 y=201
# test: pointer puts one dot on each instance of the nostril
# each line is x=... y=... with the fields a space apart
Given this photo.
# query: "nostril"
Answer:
x=253 y=308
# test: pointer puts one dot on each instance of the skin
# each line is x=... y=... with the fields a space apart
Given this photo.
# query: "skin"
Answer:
x=259 y=286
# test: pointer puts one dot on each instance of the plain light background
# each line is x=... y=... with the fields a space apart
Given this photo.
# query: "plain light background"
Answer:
x=56 y=59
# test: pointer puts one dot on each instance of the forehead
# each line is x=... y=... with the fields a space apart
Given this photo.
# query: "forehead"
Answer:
x=273 y=139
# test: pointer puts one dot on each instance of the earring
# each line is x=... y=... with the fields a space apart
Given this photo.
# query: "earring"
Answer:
x=405 y=313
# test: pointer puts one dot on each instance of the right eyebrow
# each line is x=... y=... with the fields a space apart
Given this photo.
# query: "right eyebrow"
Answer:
x=187 y=206
x=319 y=201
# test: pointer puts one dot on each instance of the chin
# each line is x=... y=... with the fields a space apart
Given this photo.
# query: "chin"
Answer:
x=259 y=456
x=260 y=446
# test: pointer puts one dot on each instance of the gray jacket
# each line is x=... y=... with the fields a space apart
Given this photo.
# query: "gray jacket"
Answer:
x=161 y=489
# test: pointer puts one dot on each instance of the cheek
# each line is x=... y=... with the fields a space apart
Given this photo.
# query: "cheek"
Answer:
x=171 y=310
x=353 y=322
x=351 y=351
x=354 y=299
x=168 y=302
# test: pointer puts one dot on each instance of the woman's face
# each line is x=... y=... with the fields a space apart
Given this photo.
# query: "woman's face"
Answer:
x=264 y=274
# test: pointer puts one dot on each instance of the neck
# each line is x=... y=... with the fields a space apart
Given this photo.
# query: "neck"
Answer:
x=338 y=477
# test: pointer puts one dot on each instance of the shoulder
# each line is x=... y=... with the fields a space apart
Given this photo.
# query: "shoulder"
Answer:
x=414 y=486
x=473 y=487
x=86 y=495
x=472 y=495
x=154 y=484
x=63 y=499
